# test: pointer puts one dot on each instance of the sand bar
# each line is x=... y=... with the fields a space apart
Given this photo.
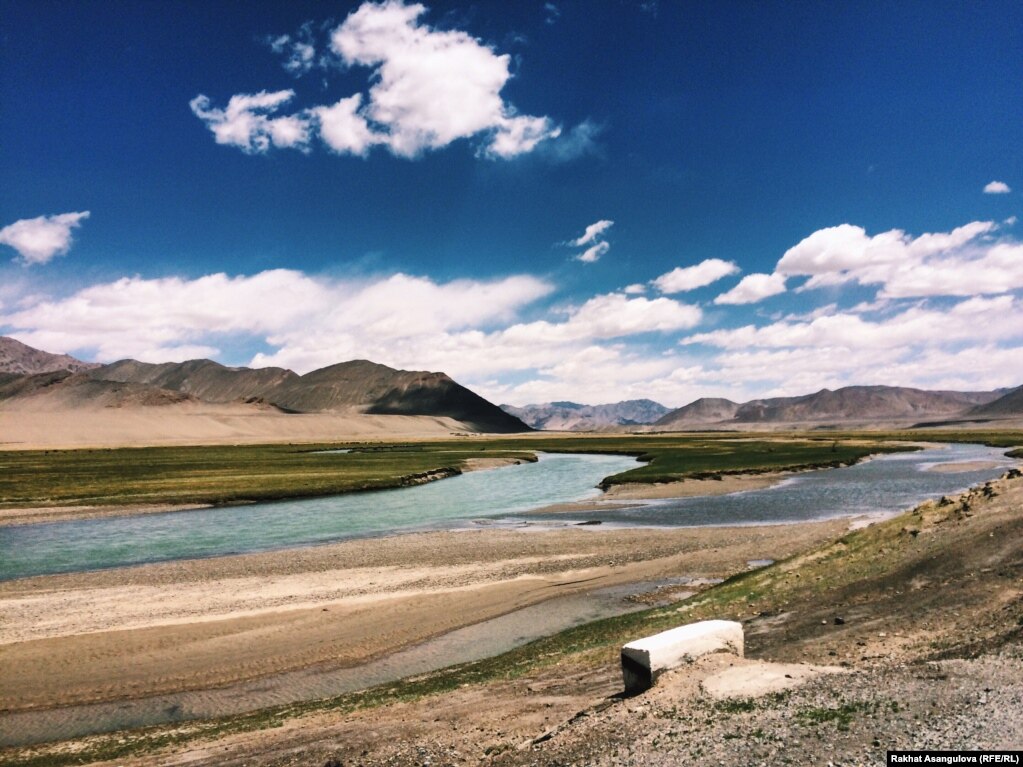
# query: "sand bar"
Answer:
x=963 y=467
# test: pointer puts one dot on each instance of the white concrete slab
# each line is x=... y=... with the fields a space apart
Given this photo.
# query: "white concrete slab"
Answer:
x=645 y=659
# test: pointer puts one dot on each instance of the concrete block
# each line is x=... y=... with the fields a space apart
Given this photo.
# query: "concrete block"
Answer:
x=646 y=659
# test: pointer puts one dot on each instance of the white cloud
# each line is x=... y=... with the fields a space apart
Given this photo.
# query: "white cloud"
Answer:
x=987 y=319
x=298 y=51
x=975 y=344
x=246 y=122
x=593 y=253
x=963 y=262
x=499 y=338
x=682 y=279
x=343 y=129
x=39 y=240
x=753 y=288
x=429 y=87
x=996 y=269
x=591 y=233
x=608 y=316
x=997 y=187
x=135 y=316
x=593 y=236
x=432 y=87
x=467 y=328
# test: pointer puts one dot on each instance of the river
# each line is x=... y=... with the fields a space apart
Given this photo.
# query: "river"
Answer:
x=885 y=484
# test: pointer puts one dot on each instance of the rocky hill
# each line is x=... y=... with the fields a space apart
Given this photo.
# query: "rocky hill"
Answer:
x=203 y=379
x=704 y=411
x=850 y=405
x=357 y=387
x=16 y=357
x=571 y=416
x=1009 y=404
x=862 y=402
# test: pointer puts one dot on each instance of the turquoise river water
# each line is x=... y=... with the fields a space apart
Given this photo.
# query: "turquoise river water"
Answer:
x=498 y=497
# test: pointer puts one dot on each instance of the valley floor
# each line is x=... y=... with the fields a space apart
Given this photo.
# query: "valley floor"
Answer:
x=923 y=613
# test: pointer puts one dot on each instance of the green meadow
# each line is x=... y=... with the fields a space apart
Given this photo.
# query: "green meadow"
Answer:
x=241 y=474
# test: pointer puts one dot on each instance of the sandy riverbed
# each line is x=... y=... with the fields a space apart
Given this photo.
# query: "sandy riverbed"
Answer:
x=122 y=633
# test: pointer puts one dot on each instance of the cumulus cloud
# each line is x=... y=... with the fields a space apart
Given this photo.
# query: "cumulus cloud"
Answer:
x=997 y=187
x=39 y=240
x=753 y=288
x=963 y=262
x=682 y=279
x=507 y=339
x=974 y=344
x=430 y=87
x=916 y=325
x=343 y=129
x=247 y=123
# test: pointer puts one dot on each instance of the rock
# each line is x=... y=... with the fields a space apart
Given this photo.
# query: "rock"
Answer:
x=839 y=620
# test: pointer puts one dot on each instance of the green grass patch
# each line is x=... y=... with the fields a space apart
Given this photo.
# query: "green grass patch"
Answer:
x=673 y=457
x=842 y=716
x=736 y=706
x=218 y=475
x=239 y=474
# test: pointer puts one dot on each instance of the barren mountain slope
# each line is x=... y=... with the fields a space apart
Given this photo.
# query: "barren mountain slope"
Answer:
x=571 y=416
x=16 y=357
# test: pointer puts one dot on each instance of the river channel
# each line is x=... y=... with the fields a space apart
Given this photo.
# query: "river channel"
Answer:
x=506 y=496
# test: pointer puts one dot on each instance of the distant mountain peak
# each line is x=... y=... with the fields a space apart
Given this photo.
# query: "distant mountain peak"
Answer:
x=847 y=405
x=17 y=357
x=572 y=416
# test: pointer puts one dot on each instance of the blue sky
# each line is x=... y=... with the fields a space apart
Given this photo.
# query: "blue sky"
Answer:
x=568 y=200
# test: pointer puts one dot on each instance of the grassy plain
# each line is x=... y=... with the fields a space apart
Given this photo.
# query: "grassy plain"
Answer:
x=238 y=474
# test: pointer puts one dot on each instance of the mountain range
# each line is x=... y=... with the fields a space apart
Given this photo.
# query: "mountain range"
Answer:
x=849 y=406
x=34 y=380
x=571 y=416
x=36 y=383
